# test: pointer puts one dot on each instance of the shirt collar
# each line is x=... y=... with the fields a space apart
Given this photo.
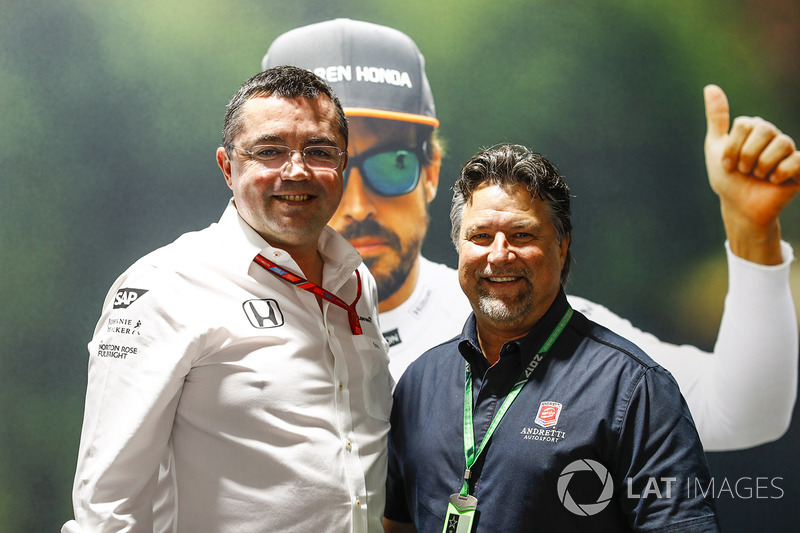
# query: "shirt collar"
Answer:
x=243 y=243
x=530 y=344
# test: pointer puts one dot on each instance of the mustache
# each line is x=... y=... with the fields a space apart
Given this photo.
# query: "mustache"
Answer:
x=370 y=228
x=501 y=273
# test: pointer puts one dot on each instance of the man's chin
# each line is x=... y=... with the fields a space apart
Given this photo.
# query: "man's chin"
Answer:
x=375 y=266
x=388 y=281
x=503 y=312
x=388 y=285
x=391 y=270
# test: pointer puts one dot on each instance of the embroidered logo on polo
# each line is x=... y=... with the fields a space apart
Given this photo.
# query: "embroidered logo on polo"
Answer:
x=264 y=313
x=547 y=416
x=546 y=419
x=126 y=297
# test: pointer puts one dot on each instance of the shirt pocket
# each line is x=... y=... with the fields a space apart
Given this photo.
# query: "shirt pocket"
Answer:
x=377 y=380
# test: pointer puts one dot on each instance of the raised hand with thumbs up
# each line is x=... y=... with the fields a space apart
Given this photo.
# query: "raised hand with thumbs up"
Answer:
x=755 y=170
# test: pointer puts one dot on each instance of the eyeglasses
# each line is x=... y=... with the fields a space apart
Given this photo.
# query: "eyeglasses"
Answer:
x=388 y=171
x=275 y=156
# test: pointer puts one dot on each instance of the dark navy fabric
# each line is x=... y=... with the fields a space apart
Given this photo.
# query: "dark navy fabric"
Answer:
x=617 y=407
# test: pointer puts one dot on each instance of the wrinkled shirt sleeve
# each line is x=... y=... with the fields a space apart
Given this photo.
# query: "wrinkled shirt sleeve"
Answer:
x=753 y=365
x=138 y=358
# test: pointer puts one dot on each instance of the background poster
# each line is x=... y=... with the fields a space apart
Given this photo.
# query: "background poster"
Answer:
x=112 y=112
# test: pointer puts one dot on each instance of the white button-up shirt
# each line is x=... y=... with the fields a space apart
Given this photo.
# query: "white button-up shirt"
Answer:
x=273 y=413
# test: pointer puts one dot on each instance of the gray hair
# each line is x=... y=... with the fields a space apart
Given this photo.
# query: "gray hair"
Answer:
x=506 y=165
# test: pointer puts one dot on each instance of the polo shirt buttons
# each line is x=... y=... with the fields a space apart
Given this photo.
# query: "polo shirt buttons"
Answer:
x=349 y=445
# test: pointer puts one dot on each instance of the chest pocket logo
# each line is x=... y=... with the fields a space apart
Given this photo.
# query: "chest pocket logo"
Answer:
x=263 y=314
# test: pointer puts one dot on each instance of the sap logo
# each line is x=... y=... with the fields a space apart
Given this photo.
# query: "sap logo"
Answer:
x=263 y=313
x=125 y=297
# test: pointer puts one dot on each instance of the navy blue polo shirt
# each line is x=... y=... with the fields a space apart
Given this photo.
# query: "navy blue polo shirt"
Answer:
x=599 y=438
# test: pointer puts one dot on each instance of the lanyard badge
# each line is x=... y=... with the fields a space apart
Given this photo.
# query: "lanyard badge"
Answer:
x=318 y=291
x=460 y=514
x=461 y=507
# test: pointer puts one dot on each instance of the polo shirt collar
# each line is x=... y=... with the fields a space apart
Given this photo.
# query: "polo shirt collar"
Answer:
x=530 y=344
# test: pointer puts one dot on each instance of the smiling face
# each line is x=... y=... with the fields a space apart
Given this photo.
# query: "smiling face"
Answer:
x=288 y=205
x=510 y=260
x=386 y=230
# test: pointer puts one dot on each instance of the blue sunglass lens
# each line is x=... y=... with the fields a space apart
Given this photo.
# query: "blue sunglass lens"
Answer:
x=392 y=173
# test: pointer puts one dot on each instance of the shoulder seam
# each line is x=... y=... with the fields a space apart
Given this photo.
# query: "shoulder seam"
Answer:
x=621 y=349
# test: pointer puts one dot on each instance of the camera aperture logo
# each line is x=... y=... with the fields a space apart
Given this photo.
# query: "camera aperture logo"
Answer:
x=585 y=509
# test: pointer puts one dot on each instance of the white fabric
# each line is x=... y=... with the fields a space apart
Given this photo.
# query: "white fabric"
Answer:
x=435 y=312
x=275 y=422
x=740 y=395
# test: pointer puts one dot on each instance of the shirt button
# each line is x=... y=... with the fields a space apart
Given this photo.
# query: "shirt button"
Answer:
x=358 y=503
x=349 y=446
x=341 y=385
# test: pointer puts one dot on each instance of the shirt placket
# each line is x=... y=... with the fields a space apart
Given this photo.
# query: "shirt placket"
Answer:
x=356 y=481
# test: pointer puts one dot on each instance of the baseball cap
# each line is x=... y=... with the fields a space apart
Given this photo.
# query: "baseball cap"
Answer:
x=375 y=71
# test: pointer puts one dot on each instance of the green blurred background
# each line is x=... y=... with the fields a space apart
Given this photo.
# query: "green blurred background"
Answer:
x=112 y=111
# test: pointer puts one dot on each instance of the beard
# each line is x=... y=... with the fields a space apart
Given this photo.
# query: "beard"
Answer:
x=388 y=280
x=510 y=310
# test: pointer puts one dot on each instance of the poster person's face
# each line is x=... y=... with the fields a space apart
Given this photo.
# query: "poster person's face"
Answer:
x=387 y=231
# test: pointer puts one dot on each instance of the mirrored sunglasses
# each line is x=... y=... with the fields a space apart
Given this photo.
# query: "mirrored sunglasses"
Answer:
x=388 y=171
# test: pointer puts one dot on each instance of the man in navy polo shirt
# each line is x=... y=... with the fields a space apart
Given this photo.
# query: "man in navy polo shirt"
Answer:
x=536 y=418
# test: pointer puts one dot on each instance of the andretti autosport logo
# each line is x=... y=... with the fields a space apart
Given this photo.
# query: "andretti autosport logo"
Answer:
x=547 y=416
x=585 y=509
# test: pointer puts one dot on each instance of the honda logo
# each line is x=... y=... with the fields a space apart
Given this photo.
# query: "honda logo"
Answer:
x=263 y=313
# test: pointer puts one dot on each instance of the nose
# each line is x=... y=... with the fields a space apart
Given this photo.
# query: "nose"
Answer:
x=357 y=202
x=295 y=168
x=500 y=251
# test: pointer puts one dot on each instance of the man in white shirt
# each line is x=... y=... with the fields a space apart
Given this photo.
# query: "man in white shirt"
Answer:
x=379 y=75
x=246 y=357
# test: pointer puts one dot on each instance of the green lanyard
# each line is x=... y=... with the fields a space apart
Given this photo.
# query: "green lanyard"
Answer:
x=469 y=432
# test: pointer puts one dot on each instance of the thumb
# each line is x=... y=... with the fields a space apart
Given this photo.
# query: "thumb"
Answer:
x=718 y=115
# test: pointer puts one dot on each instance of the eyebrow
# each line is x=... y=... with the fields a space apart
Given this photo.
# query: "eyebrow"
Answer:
x=321 y=140
x=480 y=227
x=277 y=139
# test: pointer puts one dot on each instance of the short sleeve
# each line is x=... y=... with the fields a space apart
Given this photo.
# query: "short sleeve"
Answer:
x=661 y=467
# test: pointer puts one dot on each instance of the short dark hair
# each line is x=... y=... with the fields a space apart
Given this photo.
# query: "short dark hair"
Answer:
x=507 y=165
x=284 y=81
